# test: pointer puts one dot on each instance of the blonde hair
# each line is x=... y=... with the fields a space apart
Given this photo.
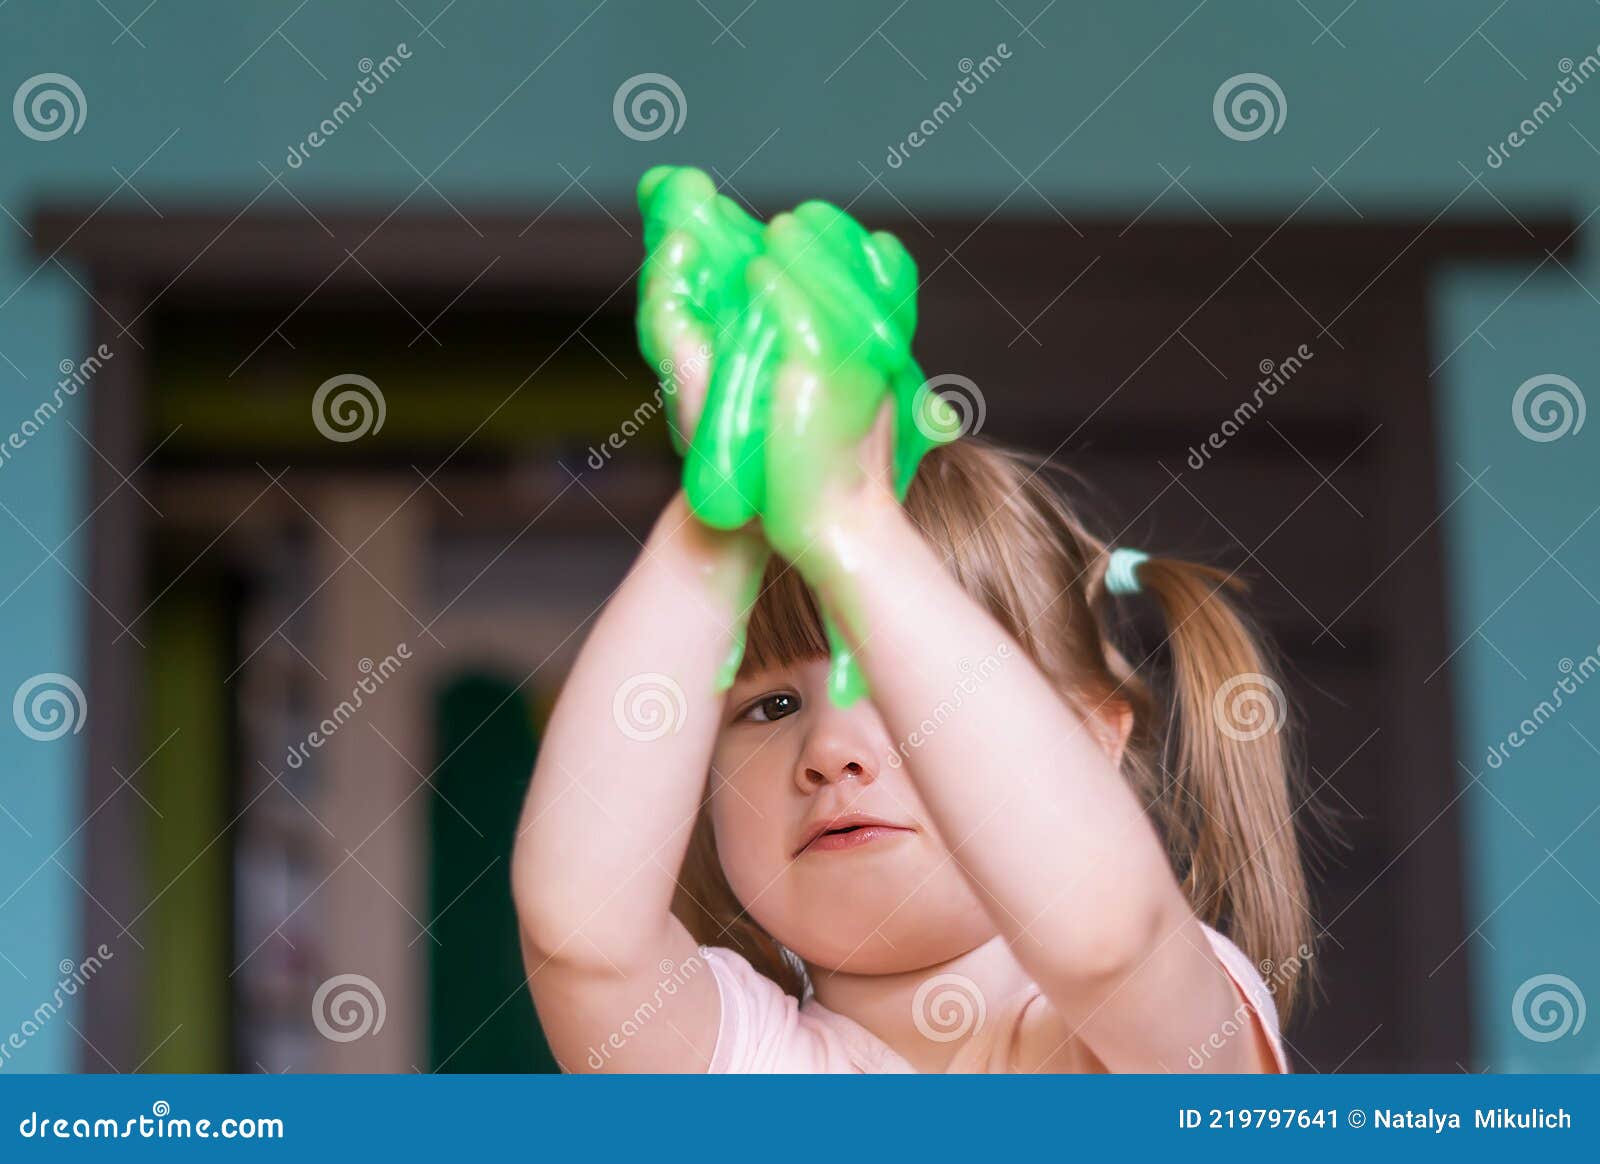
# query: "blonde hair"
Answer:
x=1219 y=791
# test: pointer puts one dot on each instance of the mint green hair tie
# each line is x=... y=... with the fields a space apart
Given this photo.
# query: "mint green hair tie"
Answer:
x=1121 y=571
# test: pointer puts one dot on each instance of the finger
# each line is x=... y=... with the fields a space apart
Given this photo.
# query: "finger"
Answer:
x=877 y=451
x=685 y=378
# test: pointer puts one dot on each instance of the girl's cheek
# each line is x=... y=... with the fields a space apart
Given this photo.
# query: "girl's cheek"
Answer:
x=731 y=762
x=751 y=785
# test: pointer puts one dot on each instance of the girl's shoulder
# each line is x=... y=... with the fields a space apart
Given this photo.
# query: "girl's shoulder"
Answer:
x=1256 y=1002
x=1044 y=1042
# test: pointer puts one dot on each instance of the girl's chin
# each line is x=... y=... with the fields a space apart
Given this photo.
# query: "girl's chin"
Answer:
x=884 y=941
x=876 y=957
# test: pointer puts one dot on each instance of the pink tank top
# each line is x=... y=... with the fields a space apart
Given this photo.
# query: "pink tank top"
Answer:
x=765 y=1030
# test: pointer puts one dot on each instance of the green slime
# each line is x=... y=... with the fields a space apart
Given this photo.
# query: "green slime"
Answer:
x=808 y=322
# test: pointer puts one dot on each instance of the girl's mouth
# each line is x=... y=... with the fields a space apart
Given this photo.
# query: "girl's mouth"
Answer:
x=849 y=833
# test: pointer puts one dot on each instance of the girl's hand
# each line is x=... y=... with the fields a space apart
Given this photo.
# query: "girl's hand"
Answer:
x=810 y=288
x=813 y=411
x=850 y=414
x=824 y=474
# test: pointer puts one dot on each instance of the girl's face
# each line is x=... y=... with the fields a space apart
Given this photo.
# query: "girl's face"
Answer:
x=824 y=840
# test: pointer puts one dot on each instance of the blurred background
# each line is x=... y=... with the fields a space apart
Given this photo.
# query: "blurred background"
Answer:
x=323 y=436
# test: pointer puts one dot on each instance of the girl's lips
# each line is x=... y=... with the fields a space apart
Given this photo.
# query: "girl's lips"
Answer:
x=853 y=839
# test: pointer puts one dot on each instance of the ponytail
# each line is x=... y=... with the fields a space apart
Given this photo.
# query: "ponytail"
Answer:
x=1226 y=792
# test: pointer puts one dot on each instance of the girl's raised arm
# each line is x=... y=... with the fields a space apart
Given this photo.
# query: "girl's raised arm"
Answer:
x=1024 y=789
x=621 y=772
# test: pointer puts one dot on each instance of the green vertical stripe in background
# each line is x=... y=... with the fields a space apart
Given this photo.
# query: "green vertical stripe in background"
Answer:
x=481 y=1016
x=188 y=784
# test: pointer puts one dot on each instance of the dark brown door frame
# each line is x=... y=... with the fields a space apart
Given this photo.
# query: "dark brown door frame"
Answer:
x=134 y=262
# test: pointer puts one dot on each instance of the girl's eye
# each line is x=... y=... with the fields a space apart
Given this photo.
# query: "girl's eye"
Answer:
x=771 y=707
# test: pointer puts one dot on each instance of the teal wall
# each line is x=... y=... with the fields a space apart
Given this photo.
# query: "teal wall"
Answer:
x=517 y=91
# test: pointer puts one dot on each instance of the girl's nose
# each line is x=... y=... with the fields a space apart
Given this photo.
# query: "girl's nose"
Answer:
x=835 y=760
x=842 y=744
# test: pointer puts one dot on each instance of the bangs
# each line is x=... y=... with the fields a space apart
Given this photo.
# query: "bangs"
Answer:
x=785 y=627
x=981 y=511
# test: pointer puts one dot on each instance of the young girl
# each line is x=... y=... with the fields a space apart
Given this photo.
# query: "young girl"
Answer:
x=1010 y=857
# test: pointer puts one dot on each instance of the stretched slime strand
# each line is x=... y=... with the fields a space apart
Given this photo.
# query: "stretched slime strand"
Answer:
x=809 y=322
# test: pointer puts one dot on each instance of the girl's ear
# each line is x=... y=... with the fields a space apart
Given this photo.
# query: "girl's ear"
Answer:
x=1113 y=723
